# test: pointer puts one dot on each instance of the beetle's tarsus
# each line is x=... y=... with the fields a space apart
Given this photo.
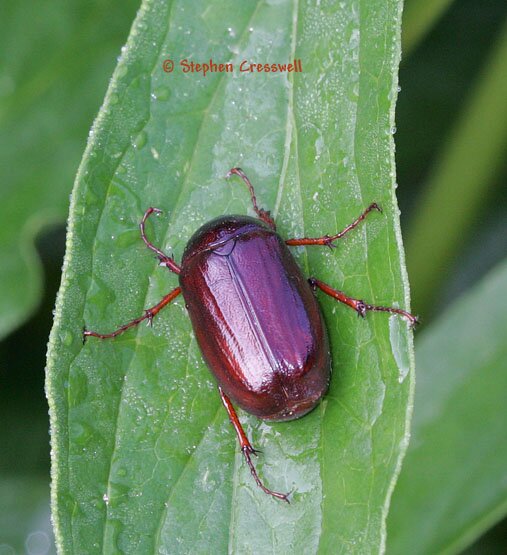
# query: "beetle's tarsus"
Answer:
x=359 y=305
x=246 y=453
x=167 y=261
x=262 y=214
x=328 y=240
x=149 y=313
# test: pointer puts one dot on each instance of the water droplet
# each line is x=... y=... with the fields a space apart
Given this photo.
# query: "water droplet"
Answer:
x=122 y=70
x=67 y=338
x=127 y=238
x=140 y=140
x=116 y=527
x=80 y=433
x=162 y=93
x=399 y=346
x=90 y=197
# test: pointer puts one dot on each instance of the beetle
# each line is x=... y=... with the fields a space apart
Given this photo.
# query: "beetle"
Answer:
x=255 y=317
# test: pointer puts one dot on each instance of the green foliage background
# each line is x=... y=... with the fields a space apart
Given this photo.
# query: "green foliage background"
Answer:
x=451 y=139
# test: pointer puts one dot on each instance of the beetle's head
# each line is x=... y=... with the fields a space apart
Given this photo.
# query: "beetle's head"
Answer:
x=216 y=234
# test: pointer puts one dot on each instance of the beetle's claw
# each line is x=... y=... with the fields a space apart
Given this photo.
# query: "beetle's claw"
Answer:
x=287 y=495
x=248 y=449
x=415 y=322
x=328 y=241
x=361 y=309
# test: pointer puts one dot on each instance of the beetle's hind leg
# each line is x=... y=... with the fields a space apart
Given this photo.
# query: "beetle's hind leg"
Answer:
x=328 y=240
x=148 y=315
x=246 y=447
x=358 y=305
x=263 y=214
x=167 y=261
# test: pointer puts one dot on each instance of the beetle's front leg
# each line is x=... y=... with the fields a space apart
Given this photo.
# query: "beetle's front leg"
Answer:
x=358 y=305
x=261 y=213
x=327 y=240
x=246 y=446
x=148 y=315
x=167 y=261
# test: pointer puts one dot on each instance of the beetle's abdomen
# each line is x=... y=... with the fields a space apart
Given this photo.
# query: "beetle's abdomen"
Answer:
x=255 y=318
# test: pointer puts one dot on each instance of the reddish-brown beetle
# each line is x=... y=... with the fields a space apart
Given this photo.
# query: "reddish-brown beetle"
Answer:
x=255 y=317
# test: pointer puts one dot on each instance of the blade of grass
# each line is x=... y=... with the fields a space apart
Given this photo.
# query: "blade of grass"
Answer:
x=453 y=485
x=419 y=17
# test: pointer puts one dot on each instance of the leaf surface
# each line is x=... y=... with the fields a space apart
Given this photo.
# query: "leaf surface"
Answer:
x=144 y=457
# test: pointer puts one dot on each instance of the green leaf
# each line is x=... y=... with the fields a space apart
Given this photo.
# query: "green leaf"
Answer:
x=48 y=97
x=453 y=485
x=461 y=179
x=144 y=459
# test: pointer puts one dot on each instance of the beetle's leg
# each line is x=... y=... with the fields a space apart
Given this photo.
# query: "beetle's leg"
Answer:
x=327 y=240
x=263 y=214
x=167 y=261
x=358 y=305
x=246 y=447
x=148 y=315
